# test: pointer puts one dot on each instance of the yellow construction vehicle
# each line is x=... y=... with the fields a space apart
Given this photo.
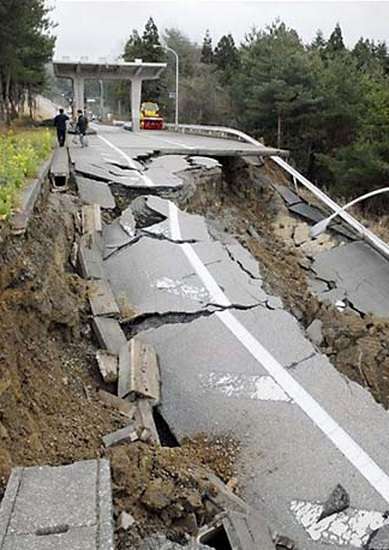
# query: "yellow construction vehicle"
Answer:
x=150 y=119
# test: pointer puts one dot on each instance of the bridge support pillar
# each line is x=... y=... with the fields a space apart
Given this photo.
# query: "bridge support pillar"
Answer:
x=78 y=94
x=136 y=94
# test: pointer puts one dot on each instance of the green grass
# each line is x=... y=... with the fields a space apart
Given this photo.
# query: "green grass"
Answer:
x=21 y=155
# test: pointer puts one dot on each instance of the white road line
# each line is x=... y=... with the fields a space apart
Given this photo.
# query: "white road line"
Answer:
x=147 y=181
x=365 y=465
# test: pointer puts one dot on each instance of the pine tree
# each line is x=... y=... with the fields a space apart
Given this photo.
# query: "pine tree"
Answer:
x=207 y=50
x=226 y=55
x=319 y=42
x=335 y=42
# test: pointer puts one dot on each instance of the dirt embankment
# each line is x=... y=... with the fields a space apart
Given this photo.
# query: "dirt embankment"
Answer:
x=247 y=206
x=49 y=412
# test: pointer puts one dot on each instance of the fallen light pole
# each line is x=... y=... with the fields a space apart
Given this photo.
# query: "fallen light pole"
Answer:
x=321 y=226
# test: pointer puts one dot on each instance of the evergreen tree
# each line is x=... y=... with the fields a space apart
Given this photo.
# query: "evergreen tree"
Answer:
x=207 y=50
x=26 y=45
x=226 y=55
x=335 y=42
x=133 y=48
x=319 y=42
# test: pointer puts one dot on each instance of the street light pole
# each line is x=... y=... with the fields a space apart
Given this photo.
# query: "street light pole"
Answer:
x=167 y=48
x=321 y=226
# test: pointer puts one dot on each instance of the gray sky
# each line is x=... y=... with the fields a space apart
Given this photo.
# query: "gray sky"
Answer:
x=99 y=28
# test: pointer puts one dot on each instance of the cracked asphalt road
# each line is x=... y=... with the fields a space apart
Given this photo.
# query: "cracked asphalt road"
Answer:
x=248 y=369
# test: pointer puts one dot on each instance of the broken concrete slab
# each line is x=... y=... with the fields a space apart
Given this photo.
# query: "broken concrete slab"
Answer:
x=90 y=257
x=379 y=540
x=172 y=284
x=109 y=334
x=192 y=228
x=301 y=234
x=169 y=163
x=95 y=192
x=145 y=419
x=314 y=332
x=361 y=272
x=127 y=222
x=162 y=177
x=108 y=366
x=306 y=211
x=288 y=195
x=139 y=371
x=101 y=299
x=115 y=237
x=314 y=247
x=91 y=218
x=160 y=542
x=243 y=257
x=124 y=435
x=122 y=405
x=243 y=531
x=57 y=508
x=205 y=162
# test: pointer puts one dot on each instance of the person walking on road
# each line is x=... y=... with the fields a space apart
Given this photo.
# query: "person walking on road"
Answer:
x=81 y=127
x=60 y=123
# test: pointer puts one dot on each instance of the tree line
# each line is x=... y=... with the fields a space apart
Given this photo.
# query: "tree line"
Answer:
x=26 y=46
x=326 y=103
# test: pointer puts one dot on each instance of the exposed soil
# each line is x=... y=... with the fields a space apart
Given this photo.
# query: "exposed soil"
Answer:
x=246 y=206
x=167 y=489
x=49 y=411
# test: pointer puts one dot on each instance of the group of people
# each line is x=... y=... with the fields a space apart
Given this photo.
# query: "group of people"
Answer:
x=61 y=123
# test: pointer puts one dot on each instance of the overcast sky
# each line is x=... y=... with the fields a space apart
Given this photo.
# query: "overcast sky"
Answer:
x=99 y=28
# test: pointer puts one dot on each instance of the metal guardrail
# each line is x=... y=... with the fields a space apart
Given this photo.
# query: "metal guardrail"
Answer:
x=222 y=131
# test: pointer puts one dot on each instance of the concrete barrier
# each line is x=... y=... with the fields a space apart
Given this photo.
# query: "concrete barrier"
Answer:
x=21 y=217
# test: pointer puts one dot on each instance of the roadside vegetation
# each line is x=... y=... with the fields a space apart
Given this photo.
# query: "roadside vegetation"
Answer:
x=21 y=155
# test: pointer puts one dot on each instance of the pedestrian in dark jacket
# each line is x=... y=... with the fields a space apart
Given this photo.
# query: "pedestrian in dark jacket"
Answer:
x=60 y=123
x=81 y=127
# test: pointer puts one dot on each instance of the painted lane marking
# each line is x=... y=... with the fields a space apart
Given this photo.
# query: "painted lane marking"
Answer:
x=147 y=181
x=258 y=388
x=351 y=527
x=365 y=465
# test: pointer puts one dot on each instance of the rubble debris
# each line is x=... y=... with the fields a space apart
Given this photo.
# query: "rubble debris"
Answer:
x=338 y=501
x=160 y=542
x=124 y=407
x=139 y=371
x=91 y=218
x=126 y=521
x=124 y=435
x=314 y=332
x=284 y=543
x=90 y=257
x=109 y=334
x=101 y=299
x=301 y=234
x=236 y=530
x=95 y=192
x=108 y=365
x=144 y=418
x=379 y=539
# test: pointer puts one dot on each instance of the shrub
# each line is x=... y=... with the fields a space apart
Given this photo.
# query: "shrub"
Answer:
x=21 y=155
